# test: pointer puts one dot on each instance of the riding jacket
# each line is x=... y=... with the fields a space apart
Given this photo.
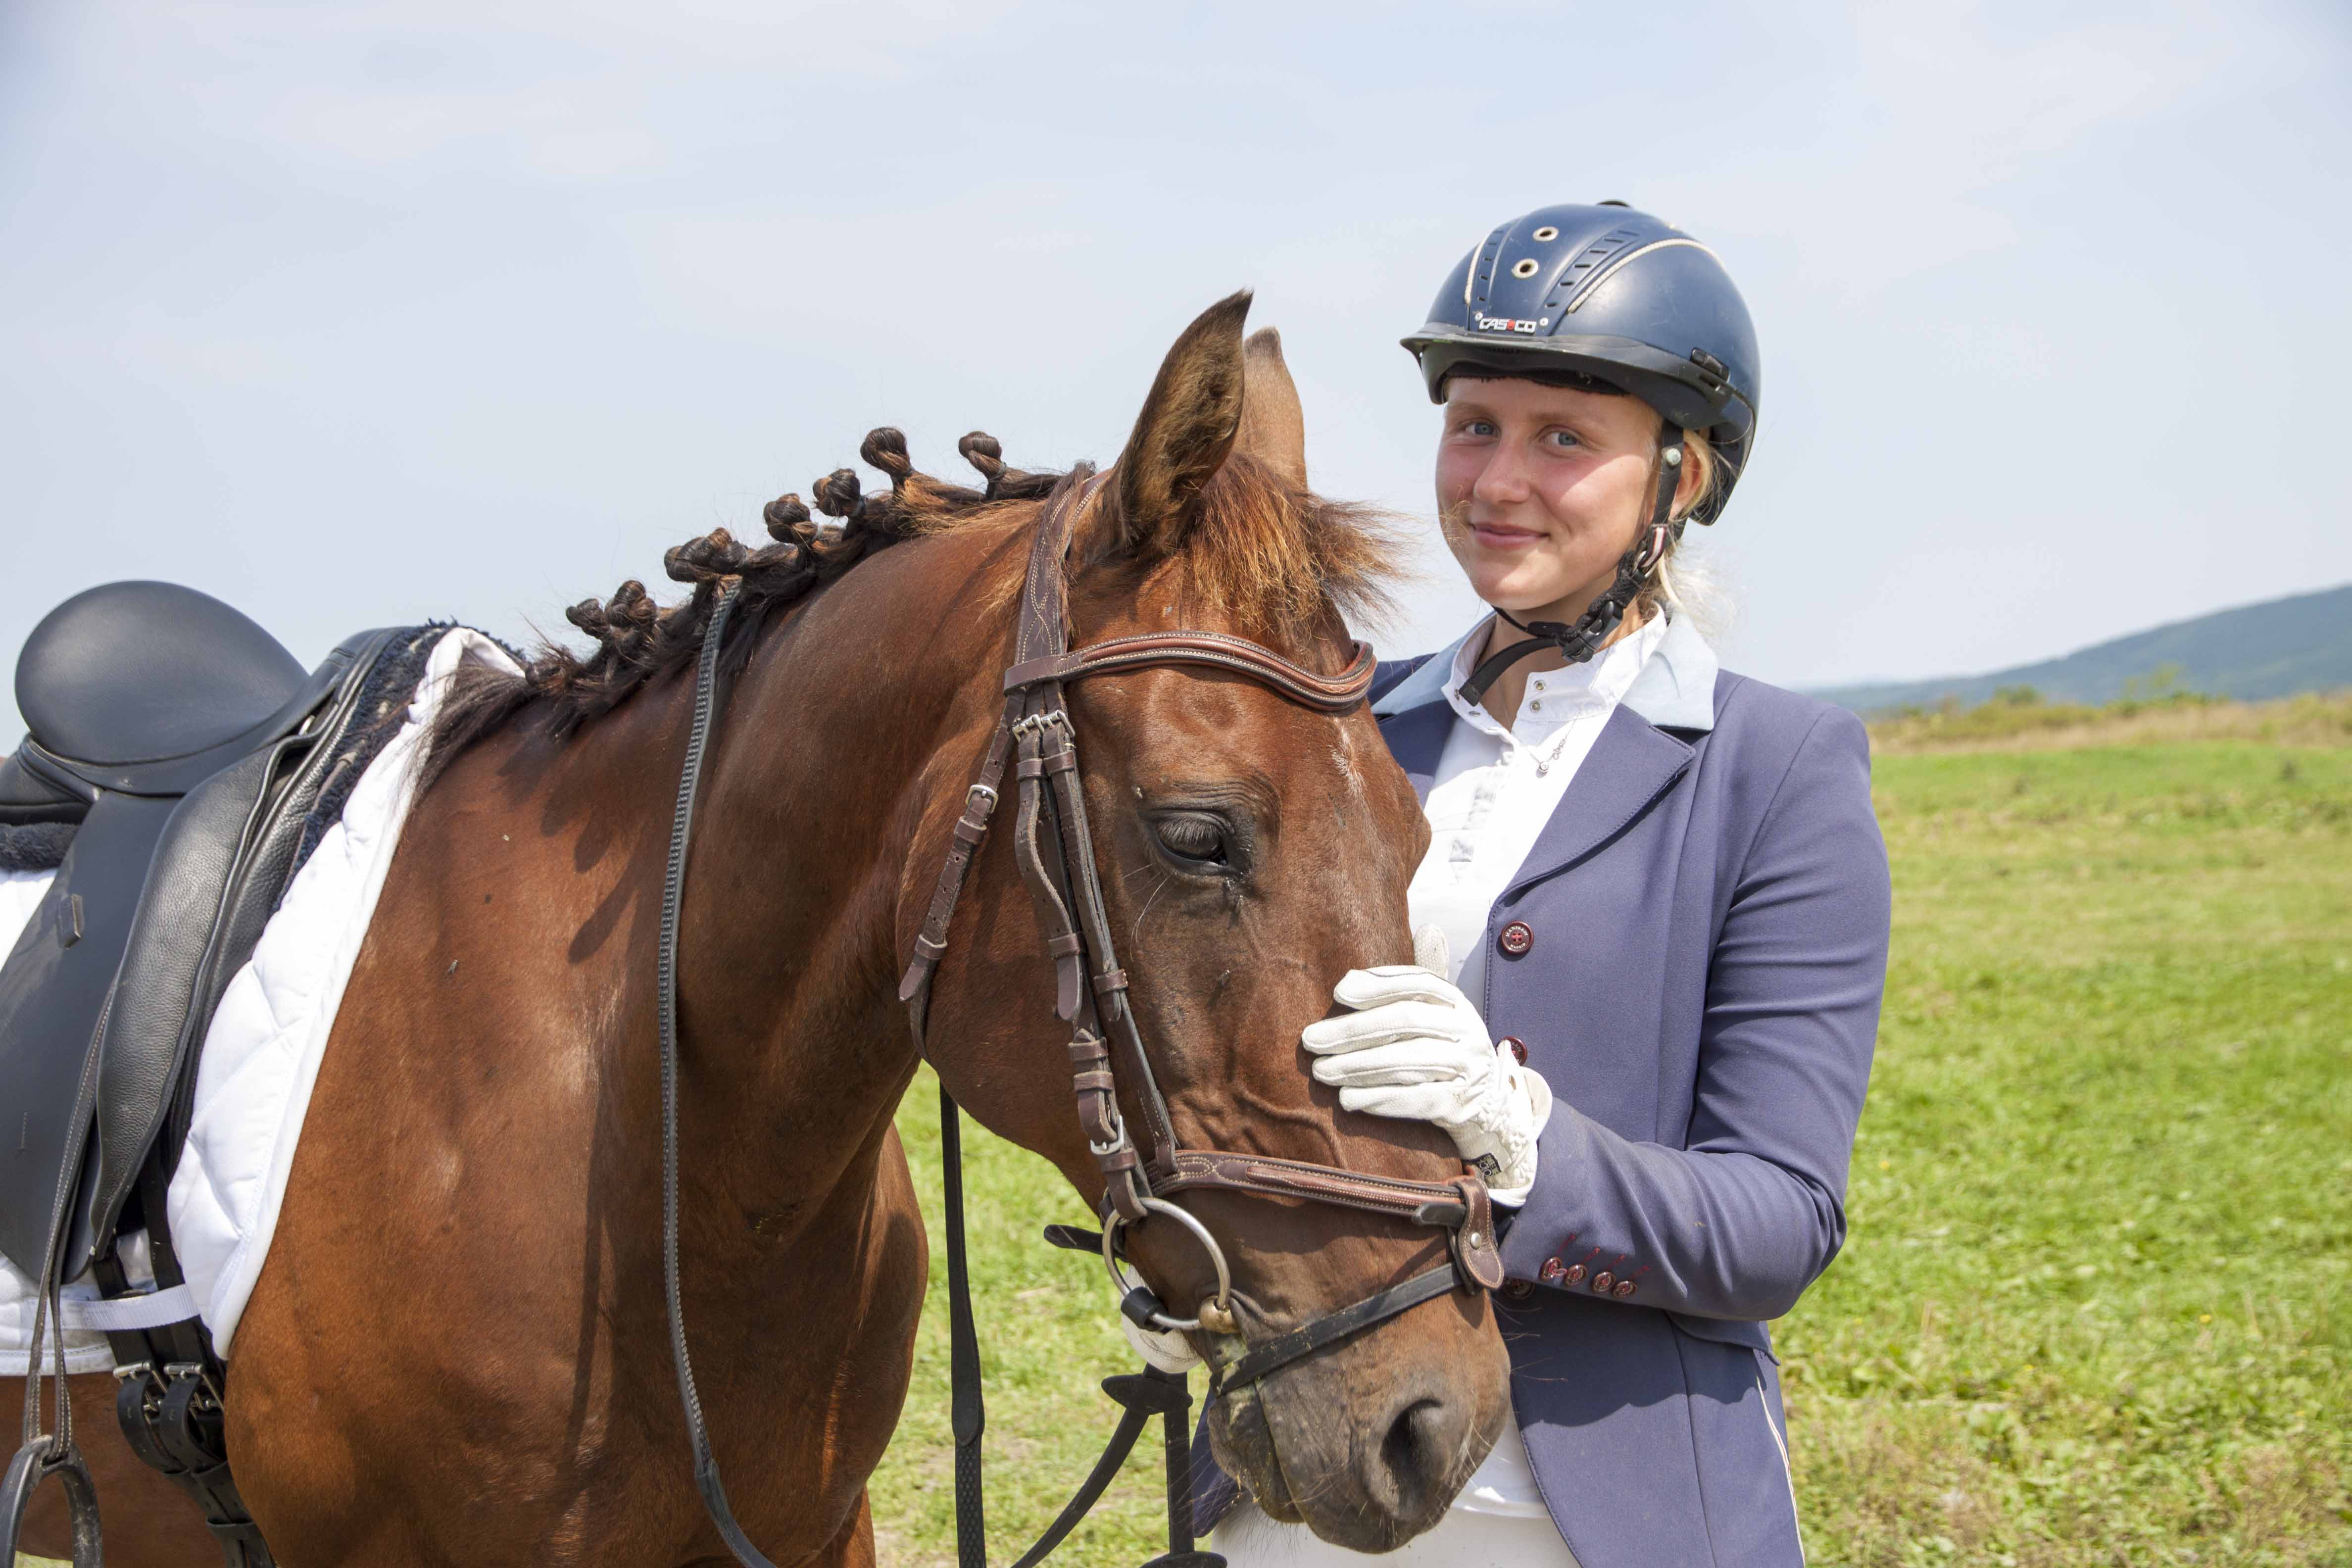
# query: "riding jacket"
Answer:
x=1693 y=955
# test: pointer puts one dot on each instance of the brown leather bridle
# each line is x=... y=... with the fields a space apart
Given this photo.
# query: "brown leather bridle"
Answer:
x=1055 y=850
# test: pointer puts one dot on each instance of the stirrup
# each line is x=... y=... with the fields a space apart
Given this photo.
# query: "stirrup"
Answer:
x=36 y=1462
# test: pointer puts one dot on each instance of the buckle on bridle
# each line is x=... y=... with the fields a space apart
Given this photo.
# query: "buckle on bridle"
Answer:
x=1036 y=723
x=973 y=795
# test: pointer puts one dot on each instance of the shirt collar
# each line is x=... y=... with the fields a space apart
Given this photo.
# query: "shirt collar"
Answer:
x=1674 y=688
x=1598 y=682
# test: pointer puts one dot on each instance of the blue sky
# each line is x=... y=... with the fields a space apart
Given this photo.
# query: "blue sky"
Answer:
x=360 y=313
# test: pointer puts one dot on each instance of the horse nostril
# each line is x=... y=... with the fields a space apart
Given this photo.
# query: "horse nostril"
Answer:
x=1413 y=1451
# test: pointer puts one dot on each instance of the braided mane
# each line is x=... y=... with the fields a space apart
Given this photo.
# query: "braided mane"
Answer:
x=1270 y=556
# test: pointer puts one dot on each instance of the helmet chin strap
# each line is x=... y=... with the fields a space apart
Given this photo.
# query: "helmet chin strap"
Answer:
x=1600 y=620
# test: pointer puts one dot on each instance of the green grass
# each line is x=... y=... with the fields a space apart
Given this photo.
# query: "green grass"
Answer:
x=2096 y=1306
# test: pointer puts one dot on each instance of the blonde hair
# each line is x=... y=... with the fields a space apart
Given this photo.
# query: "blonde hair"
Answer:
x=1675 y=583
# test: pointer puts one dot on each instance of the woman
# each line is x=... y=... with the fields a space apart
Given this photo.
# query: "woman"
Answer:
x=1654 y=914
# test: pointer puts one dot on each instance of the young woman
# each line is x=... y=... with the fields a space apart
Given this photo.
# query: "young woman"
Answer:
x=1652 y=918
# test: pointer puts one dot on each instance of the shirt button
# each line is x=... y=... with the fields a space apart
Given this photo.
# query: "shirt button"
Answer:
x=1536 y=705
x=1602 y=1281
x=1516 y=939
x=1624 y=1289
x=1553 y=1271
x=1574 y=1273
x=1516 y=1046
x=1518 y=1289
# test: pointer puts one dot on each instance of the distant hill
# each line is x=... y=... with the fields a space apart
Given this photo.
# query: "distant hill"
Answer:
x=2302 y=643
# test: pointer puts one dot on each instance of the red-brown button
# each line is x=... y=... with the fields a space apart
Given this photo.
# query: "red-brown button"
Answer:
x=1518 y=1289
x=1518 y=1047
x=1516 y=939
x=1575 y=1272
x=1552 y=1270
x=1602 y=1281
x=1624 y=1289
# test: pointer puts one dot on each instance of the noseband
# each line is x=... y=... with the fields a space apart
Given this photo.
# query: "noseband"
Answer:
x=1054 y=849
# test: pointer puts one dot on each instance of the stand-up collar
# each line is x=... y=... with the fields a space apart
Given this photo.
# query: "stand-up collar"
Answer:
x=1676 y=689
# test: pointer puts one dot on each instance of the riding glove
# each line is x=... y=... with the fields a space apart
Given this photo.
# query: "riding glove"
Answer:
x=1412 y=1046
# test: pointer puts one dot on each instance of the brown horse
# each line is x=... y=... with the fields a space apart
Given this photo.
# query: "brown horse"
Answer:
x=456 y=1352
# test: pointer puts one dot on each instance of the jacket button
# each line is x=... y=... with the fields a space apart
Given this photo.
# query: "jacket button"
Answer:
x=1552 y=1270
x=1575 y=1272
x=1602 y=1281
x=1624 y=1289
x=1518 y=1289
x=1517 y=1048
x=1516 y=939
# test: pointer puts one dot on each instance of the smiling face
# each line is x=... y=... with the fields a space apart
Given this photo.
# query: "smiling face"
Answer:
x=1541 y=489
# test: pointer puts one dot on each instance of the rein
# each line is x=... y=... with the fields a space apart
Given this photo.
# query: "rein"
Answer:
x=1055 y=848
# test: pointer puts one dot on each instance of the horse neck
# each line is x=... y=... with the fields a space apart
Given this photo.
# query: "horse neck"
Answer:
x=830 y=747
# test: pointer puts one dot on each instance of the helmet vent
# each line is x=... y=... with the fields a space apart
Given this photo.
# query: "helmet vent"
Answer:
x=1482 y=273
x=1600 y=272
x=1524 y=267
x=1546 y=233
x=1588 y=261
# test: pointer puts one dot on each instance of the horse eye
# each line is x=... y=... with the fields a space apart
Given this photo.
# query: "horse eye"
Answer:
x=1199 y=839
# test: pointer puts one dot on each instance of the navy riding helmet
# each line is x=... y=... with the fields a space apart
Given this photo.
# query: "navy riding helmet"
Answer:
x=1605 y=293
x=1586 y=295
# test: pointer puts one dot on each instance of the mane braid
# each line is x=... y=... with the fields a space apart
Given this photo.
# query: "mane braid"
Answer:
x=1269 y=559
x=637 y=641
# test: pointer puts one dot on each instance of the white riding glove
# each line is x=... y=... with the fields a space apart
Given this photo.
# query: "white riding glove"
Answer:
x=1415 y=1048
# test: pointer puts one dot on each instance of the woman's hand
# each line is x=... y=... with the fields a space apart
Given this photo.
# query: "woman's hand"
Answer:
x=1415 y=1048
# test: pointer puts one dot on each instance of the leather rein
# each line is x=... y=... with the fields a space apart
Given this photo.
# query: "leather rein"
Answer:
x=1054 y=845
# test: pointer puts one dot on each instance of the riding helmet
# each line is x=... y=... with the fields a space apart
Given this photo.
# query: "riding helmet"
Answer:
x=1606 y=294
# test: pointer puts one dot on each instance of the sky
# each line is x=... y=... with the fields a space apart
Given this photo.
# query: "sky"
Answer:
x=364 y=313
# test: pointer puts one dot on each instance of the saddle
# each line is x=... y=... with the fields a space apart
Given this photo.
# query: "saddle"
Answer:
x=185 y=750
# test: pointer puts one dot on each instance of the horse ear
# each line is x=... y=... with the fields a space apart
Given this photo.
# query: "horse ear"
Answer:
x=1185 y=430
x=1273 y=429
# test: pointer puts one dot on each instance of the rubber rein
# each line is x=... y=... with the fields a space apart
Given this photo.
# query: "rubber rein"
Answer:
x=1036 y=739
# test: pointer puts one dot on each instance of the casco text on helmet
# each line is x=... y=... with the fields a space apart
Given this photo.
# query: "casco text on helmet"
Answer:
x=1607 y=294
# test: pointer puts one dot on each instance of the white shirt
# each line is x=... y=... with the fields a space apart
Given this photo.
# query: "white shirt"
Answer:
x=1495 y=788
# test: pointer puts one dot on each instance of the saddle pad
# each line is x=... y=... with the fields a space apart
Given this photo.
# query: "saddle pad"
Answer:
x=262 y=1054
x=266 y=1041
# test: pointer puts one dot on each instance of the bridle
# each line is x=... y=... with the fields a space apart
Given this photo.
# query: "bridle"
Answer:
x=1037 y=738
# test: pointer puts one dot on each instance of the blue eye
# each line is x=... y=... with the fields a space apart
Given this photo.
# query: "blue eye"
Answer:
x=1562 y=438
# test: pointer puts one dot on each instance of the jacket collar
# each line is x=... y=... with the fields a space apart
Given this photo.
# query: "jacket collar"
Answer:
x=1676 y=689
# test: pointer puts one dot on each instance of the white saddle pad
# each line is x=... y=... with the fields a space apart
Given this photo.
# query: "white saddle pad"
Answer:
x=262 y=1055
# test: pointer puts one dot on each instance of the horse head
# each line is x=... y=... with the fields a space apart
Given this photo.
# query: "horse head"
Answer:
x=1253 y=849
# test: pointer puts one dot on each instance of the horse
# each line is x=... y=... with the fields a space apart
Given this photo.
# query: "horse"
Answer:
x=458 y=1349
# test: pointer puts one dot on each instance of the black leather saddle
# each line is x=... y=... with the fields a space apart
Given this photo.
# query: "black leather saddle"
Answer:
x=186 y=751
x=173 y=732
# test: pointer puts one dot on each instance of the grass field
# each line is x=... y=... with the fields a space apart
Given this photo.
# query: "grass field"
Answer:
x=2097 y=1308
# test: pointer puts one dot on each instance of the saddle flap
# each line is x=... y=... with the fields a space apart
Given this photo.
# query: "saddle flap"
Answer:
x=53 y=995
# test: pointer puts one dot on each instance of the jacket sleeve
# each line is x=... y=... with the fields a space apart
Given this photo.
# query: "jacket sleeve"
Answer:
x=1740 y=1221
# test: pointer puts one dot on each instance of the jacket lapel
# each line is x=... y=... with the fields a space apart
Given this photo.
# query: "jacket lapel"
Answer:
x=1632 y=764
